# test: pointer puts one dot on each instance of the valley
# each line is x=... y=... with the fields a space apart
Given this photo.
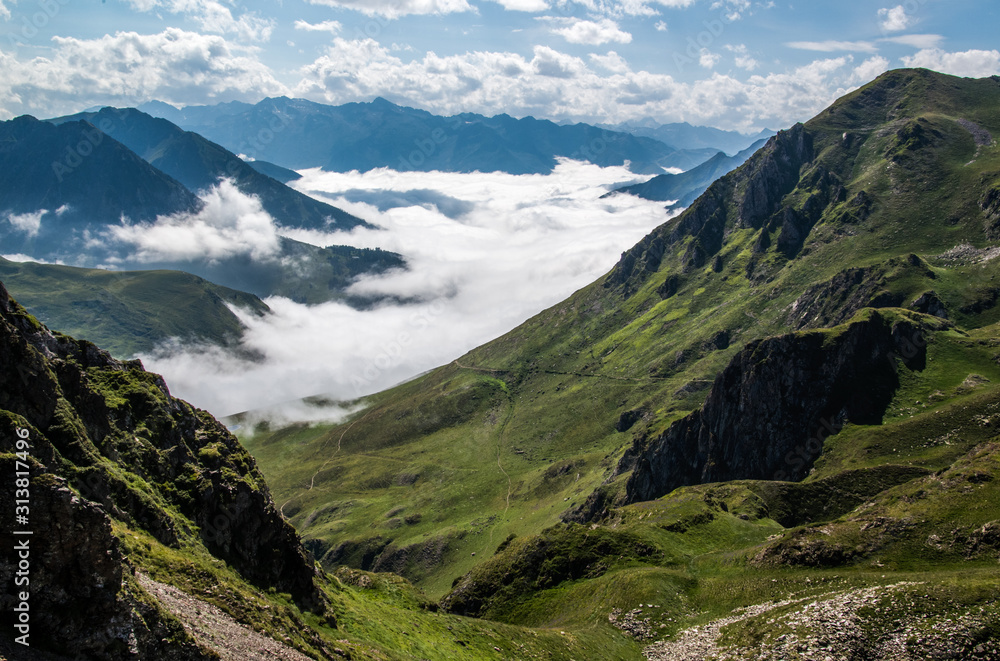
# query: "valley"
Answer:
x=552 y=422
x=769 y=431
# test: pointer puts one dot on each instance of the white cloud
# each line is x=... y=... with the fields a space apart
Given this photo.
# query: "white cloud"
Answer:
x=970 y=63
x=556 y=85
x=4 y=11
x=734 y=9
x=21 y=257
x=708 y=59
x=524 y=5
x=553 y=64
x=593 y=33
x=333 y=27
x=894 y=19
x=524 y=243
x=622 y=8
x=29 y=223
x=396 y=8
x=213 y=16
x=916 y=40
x=834 y=46
x=869 y=70
x=613 y=62
x=660 y=26
x=229 y=224
x=742 y=57
x=128 y=68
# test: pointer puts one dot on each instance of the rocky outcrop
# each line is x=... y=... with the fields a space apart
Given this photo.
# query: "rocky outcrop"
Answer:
x=133 y=454
x=772 y=174
x=989 y=202
x=768 y=412
x=746 y=197
x=835 y=301
x=930 y=303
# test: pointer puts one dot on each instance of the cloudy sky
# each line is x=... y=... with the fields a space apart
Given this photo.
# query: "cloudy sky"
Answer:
x=744 y=64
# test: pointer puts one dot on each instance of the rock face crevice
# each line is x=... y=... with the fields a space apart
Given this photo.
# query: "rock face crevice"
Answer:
x=769 y=410
x=989 y=202
x=133 y=454
x=772 y=174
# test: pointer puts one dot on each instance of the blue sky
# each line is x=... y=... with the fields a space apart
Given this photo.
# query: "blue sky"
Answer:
x=735 y=64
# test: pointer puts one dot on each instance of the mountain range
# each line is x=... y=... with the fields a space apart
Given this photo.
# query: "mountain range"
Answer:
x=769 y=432
x=297 y=134
x=685 y=136
x=198 y=164
x=75 y=194
x=74 y=179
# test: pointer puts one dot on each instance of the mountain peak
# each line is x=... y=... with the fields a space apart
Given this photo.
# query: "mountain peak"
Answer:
x=910 y=93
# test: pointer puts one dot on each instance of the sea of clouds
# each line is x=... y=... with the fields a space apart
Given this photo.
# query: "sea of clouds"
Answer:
x=486 y=251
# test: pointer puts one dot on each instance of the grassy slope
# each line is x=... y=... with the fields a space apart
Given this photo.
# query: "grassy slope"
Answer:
x=533 y=413
x=128 y=312
x=932 y=466
x=363 y=616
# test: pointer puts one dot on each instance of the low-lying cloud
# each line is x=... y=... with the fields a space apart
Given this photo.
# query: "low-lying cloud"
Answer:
x=229 y=224
x=497 y=250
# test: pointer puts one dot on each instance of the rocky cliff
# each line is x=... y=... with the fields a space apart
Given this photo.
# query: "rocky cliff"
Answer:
x=769 y=412
x=746 y=198
x=110 y=448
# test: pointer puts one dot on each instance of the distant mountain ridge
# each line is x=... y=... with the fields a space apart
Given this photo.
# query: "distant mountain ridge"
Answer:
x=683 y=135
x=74 y=194
x=47 y=166
x=296 y=134
x=684 y=188
x=199 y=164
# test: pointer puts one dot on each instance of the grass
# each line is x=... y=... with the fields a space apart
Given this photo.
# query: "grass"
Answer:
x=128 y=312
x=533 y=414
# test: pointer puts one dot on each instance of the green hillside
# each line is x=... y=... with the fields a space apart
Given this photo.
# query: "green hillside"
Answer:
x=154 y=535
x=888 y=200
x=128 y=312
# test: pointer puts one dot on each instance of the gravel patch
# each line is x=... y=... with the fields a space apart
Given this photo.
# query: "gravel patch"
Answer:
x=979 y=134
x=966 y=254
x=216 y=630
x=831 y=627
